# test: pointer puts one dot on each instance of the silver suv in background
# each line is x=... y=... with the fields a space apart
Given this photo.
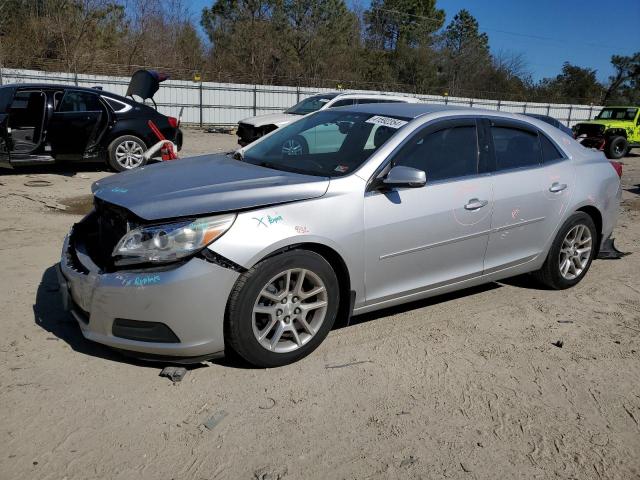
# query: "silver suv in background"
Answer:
x=262 y=251
x=252 y=128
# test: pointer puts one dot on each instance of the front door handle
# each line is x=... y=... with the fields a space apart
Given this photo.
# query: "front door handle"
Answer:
x=557 y=187
x=475 y=204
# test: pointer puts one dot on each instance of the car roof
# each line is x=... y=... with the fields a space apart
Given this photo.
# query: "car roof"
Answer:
x=407 y=110
x=65 y=86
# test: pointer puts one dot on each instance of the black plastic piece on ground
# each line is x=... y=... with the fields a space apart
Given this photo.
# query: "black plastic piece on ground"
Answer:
x=609 y=251
x=175 y=374
x=143 y=331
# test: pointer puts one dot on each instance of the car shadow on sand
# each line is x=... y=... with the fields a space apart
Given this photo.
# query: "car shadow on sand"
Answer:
x=67 y=169
x=50 y=315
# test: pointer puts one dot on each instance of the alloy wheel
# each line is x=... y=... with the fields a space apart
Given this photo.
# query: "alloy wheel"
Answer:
x=289 y=310
x=129 y=154
x=575 y=252
x=292 y=147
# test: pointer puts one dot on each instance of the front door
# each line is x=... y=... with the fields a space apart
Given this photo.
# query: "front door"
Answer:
x=75 y=122
x=532 y=184
x=421 y=238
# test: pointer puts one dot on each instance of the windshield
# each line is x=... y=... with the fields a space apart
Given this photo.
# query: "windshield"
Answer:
x=310 y=104
x=617 y=114
x=329 y=143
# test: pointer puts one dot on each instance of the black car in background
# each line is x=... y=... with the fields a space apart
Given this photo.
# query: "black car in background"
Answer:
x=45 y=123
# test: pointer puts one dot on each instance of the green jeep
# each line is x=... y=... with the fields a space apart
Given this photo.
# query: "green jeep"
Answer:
x=615 y=130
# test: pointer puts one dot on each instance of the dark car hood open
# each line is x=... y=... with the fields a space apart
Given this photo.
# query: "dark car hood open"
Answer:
x=203 y=185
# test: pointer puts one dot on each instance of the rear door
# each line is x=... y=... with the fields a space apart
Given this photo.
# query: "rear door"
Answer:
x=533 y=181
x=77 y=120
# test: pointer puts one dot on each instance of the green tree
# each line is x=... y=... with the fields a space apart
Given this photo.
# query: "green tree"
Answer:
x=573 y=85
x=624 y=85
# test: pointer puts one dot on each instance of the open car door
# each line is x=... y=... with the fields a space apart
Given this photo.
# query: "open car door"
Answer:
x=4 y=139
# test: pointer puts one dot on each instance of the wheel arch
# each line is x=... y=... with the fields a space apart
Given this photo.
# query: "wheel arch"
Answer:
x=596 y=216
x=339 y=265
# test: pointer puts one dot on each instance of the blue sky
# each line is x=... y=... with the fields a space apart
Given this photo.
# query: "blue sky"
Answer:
x=548 y=32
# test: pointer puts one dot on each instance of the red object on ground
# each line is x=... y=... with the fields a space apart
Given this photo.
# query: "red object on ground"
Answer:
x=617 y=167
x=173 y=121
x=167 y=152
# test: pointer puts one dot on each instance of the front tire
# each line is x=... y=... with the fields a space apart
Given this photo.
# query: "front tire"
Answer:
x=126 y=153
x=282 y=309
x=616 y=148
x=571 y=253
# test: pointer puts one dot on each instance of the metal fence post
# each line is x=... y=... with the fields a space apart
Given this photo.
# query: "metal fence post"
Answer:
x=499 y=104
x=255 y=99
x=569 y=119
x=200 y=94
x=548 y=109
x=590 y=106
x=298 y=93
x=75 y=78
x=0 y=75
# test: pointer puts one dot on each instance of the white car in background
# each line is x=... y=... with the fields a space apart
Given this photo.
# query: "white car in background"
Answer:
x=252 y=128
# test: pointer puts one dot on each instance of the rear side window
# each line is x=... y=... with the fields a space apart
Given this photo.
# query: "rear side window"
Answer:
x=343 y=103
x=515 y=148
x=550 y=152
x=79 y=102
x=444 y=154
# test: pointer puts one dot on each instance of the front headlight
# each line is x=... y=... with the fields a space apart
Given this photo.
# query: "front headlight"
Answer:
x=169 y=242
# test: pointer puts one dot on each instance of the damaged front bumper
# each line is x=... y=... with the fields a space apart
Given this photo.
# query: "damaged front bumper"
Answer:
x=175 y=312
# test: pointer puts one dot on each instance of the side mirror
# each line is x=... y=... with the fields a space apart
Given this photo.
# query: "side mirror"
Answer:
x=405 y=177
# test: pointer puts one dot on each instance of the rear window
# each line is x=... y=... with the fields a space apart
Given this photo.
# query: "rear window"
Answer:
x=515 y=148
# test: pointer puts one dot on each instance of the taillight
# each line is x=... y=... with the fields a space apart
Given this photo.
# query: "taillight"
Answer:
x=617 y=166
x=173 y=121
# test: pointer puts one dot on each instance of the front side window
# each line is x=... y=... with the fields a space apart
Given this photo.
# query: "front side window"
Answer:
x=79 y=102
x=515 y=148
x=444 y=154
x=329 y=143
x=310 y=104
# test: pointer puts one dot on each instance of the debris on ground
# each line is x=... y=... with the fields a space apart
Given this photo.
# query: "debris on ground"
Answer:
x=272 y=403
x=410 y=460
x=558 y=343
x=214 y=420
x=175 y=374
x=342 y=365
x=565 y=321
x=219 y=130
x=37 y=183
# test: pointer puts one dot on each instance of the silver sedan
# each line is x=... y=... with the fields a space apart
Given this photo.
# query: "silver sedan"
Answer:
x=342 y=212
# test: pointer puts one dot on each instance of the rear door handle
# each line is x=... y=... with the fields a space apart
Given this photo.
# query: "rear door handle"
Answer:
x=475 y=204
x=557 y=187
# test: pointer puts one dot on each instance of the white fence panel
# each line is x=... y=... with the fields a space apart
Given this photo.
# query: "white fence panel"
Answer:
x=213 y=103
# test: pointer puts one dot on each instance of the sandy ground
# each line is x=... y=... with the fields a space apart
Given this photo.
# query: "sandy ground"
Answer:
x=467 y=385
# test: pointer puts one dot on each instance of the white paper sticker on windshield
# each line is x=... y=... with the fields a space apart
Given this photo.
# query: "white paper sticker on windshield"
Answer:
x=387 y=121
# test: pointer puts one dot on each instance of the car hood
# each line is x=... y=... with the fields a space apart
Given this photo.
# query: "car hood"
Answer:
x=204 y=185
x=278 y=119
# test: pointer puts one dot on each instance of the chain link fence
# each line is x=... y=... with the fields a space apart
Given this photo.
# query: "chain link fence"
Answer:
x=224 y=104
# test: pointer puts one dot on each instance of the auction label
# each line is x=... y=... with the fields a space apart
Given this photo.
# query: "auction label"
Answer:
x=387 y=121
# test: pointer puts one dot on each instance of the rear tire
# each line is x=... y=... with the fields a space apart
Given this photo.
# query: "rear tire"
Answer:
x=270 y=321
x=125 y=153
x=577 y=234
x=616 y=148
